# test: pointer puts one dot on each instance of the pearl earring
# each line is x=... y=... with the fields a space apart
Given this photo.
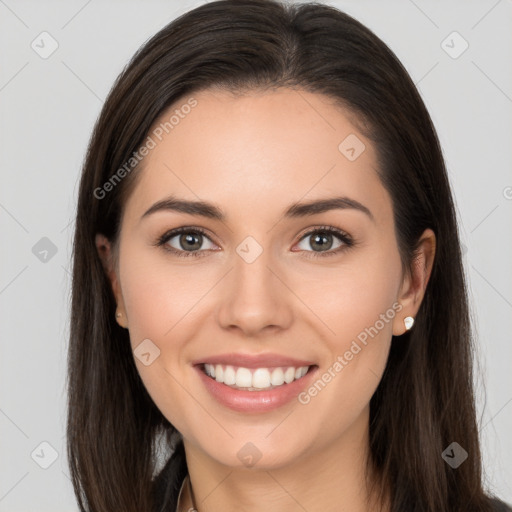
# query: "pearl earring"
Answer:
x=409 y=322
x=119 y=315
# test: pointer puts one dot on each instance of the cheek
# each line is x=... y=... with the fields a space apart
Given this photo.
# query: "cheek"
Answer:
x=159 y=294
x=161 y=305
x=352 y=297
x=358 y=304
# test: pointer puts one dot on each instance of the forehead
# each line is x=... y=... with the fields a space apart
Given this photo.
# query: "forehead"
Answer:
x=257 y=153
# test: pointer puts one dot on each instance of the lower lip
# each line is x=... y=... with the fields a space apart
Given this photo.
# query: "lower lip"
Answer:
x=255 y=401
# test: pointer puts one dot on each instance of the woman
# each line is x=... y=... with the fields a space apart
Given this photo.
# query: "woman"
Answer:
x=269 y=308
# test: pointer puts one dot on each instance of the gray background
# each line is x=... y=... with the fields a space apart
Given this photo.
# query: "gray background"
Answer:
x=48 y=107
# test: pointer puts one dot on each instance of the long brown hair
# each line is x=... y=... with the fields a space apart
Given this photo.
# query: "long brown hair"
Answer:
x=425 y=399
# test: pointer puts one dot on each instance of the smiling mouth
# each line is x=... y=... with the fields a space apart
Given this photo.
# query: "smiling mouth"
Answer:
x=254 y=379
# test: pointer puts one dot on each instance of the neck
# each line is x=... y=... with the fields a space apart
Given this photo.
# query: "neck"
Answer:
x=332 y=478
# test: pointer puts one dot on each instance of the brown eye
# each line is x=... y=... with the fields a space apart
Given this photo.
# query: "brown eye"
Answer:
x=190 y=242
x=326 y=240
x=186 y=242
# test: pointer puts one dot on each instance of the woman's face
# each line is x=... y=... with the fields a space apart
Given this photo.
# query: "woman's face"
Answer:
x=266 y=279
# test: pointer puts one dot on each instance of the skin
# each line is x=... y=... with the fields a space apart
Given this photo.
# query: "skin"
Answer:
x=253 y=156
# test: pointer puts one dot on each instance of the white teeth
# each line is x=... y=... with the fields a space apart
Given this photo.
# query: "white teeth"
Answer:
x=257 y=379
x=277 y=377
x=243 y=378
x=229 y=376
x=289 y=375
x=261 y=378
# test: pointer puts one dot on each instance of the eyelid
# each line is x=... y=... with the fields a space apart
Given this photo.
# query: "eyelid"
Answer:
x=171 y=233
x=346 y=239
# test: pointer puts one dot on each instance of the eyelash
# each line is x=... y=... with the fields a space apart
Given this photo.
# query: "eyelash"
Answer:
x=342 y=236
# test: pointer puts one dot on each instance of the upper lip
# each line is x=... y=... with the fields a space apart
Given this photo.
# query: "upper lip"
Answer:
x=268 y=360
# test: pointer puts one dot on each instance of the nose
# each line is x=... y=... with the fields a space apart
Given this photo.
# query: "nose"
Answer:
x=255 y=297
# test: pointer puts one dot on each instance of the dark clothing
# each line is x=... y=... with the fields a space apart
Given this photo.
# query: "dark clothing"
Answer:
x=501 y=506
x=168 y=483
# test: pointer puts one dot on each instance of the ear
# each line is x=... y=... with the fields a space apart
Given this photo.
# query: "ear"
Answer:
x=413 y=288
x=105 y=253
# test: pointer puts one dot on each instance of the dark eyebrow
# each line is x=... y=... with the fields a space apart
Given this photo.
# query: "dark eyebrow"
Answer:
x=324 y=205
x=296 y=210
x=185 y=206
